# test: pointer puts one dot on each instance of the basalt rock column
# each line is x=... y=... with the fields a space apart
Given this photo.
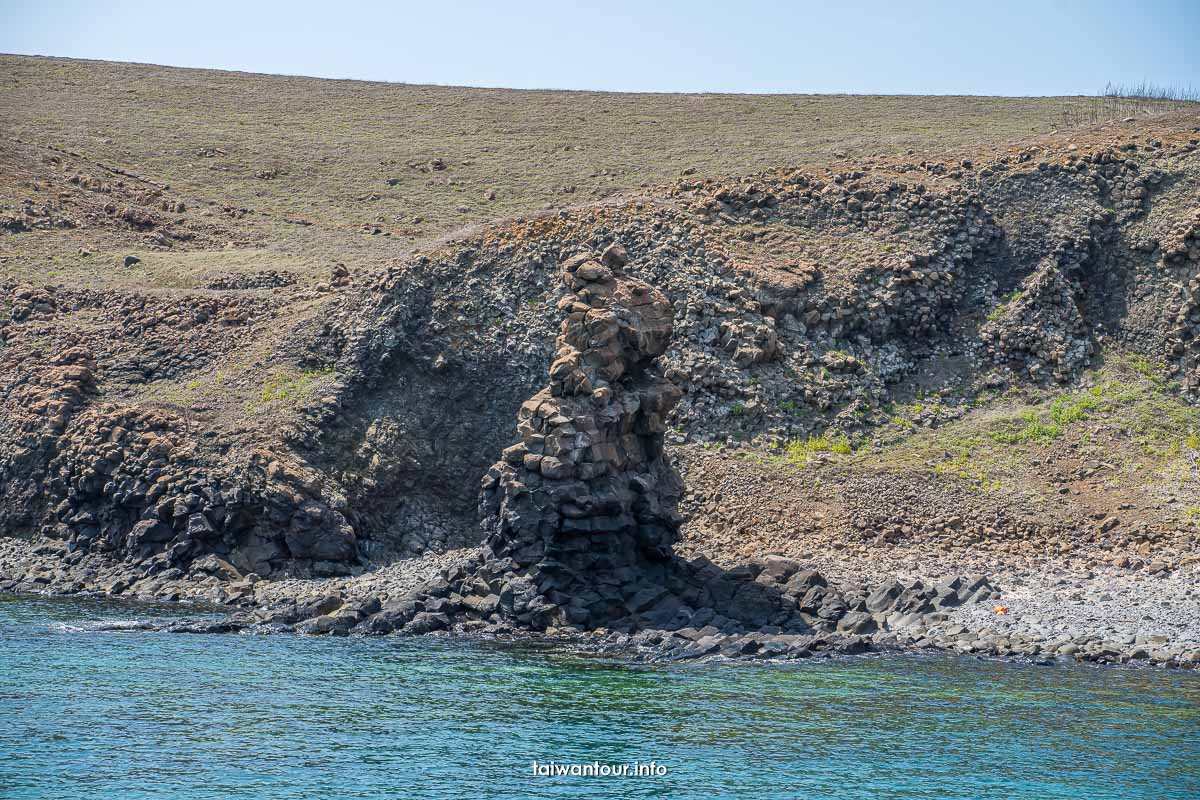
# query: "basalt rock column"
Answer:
x=582 y=510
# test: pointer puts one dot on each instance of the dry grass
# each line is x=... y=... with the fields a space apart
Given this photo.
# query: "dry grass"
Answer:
x=1122 y=101
x=326 y=150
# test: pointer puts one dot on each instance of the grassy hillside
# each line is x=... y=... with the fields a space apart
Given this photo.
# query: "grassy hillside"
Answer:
x=349 y=153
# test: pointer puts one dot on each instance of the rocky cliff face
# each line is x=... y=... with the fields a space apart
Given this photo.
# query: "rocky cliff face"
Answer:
x=307 y=430
x=581 y=513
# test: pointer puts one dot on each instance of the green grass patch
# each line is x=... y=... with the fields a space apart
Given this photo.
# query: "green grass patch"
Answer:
x=1031 y=430
x=799 y=451
x=1005 y=302
x=1129 y=398
x=1129 y=416
x=287 y=388
x=1069 y=409
x=1146 y=367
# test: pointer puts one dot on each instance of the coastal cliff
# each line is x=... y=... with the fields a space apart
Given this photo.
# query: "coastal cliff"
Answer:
x=862 y=402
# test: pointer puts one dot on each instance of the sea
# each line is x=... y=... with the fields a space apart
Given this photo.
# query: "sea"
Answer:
x=92 y=706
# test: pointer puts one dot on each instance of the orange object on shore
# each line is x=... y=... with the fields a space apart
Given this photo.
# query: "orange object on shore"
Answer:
x=1001 y=609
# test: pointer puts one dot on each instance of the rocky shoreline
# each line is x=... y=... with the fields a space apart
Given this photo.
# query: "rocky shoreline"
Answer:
x=946 y=405
x=1044 y=624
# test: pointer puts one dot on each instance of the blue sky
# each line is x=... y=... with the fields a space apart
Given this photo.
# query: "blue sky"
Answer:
x=1009 y=48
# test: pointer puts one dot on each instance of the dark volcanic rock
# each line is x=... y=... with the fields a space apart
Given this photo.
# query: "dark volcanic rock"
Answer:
x=584 y=506
x=580 y=515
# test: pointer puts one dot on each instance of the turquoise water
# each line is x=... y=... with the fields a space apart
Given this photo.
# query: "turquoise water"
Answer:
x=101 y=714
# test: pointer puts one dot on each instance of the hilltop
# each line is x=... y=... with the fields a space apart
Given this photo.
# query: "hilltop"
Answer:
x=359 y=172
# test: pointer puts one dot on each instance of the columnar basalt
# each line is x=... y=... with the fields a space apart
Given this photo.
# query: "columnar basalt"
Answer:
x=1041 y=331
x=1181 y=260
x=586 y=499
x=580 y=514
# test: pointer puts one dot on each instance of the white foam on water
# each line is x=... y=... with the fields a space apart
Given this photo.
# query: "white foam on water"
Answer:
x=92 y=626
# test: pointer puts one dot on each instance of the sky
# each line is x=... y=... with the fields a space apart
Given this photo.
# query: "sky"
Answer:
x=1021 y=47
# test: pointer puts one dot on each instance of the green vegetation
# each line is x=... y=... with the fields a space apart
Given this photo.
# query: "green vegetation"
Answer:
x=1128 y=418
x=183 y=395
x=1128 y=397
x=1144 y=366
x=287 y=387
x=1064 y=411
x=799 y=451
x=1004 y=303
x=1032 y=430
x=1069 y=409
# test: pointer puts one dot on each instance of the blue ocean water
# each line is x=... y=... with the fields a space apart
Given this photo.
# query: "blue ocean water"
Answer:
x=129 y=714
